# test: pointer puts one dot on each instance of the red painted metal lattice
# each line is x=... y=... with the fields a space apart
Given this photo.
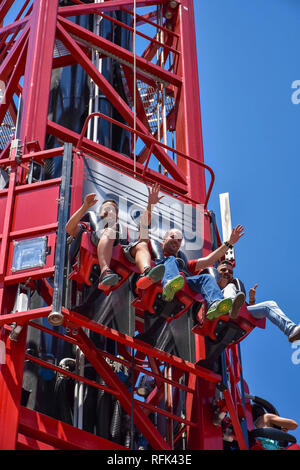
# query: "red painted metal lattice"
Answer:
x=29 y=209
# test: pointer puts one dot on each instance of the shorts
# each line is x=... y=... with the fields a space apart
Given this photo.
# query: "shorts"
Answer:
x=96 y=236
x=127 y=248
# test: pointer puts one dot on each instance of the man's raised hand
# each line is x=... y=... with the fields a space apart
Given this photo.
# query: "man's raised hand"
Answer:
x=236 y=234
x=90 y=200
x=153 y=195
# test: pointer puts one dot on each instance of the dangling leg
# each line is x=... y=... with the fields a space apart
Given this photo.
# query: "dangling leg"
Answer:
x=141 y=254
x=238 y=299
x=206 y=285
x=269 y=309
x=104 y=252
x=172 y=280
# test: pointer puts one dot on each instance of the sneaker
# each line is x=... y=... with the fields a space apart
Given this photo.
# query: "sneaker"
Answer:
x=108 y=278
x=237 y=303
x=171 y=287
x=219 y=308
x=295 y=334
x=150 y=276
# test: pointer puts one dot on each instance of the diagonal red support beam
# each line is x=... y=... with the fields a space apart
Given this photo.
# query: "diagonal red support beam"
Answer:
x=13 y=27
x=235 y=420
x=8 y=64
x=5 y=6
x=188 y=122
x=140 y=110
x=12 y=84
x=105 y=155
x=38 y=71
x=106 y=6
x=116 y=100
x=73 y=318
x=23 y=317
x=143 y=423
x=142 y=65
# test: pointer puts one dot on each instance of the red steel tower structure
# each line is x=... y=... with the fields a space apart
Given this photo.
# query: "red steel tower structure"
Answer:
x=158 y=112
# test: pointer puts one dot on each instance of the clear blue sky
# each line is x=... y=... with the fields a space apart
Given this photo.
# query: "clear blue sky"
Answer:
x=248 y=58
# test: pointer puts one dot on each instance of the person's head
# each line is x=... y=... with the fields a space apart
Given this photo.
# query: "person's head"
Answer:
x=225 y=269
x=109 y=210
x=172 y=241
x=257 y=411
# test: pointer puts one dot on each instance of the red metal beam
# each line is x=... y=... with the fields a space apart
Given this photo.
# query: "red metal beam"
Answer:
x=65 y=372
x=188 y=123
x=23 y=317
x=11 y=376
x=235 y=420
x=28 y=443
x=105 y=155
x=205 y=436
x=141 y=19
x=74 y=319
x=60 y=435
x=7 y=225
x=8 y=64
x=143 y=66
x=13 y=27
x=38 y=71
x=168 y=48
x=140 y=110
x=100 y=365
x=5 y=6
x=106 y=6
x=116 y=100
x=13 y=82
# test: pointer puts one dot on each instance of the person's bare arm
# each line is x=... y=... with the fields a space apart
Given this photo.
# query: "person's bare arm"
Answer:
x=145 y=220
x=72 y=226
x=236 y=234
x=269 y=420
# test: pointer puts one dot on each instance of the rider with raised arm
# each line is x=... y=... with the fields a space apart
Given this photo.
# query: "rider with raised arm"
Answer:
x=204 y=284
x=108 y=235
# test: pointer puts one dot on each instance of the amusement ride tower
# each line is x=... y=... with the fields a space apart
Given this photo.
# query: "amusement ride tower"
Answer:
x=103 y=96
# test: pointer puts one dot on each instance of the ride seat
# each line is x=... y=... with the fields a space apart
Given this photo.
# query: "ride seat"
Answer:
x=84 y=260
x=245 y=321
x=150 y=300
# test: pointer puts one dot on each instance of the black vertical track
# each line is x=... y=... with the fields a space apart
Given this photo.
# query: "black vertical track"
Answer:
x=56 y=317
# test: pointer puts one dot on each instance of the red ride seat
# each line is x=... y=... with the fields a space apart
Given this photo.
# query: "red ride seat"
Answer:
x=151 y=300
x=245 y=321
x=214 y=335
x=85 y=263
